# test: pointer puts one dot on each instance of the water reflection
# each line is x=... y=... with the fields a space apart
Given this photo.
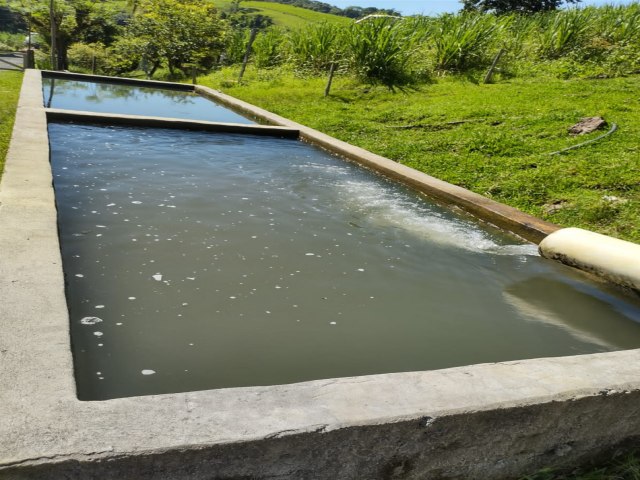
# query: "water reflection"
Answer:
x=126 y=99
x=585 y=313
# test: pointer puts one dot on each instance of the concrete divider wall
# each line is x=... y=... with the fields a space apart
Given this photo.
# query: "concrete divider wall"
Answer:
x=183 y=87
x=174 y=123
x=491 y=421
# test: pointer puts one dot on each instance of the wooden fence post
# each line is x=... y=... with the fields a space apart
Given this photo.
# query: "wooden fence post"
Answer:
x=252 y=37
x=489 y=76
x=330 y=80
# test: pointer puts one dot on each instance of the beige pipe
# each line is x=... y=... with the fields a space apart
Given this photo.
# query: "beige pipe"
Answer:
x=615 y=260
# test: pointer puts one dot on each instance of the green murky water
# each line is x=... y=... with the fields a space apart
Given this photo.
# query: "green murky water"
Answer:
x=197 y=261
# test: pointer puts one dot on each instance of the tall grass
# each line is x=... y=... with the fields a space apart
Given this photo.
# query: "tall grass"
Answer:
x=379 y=52
x=592 y=41
x=618 y=24
x=268 y=48
x=517 y=34
x=317 y=47
x=561 y=32
x=462 y=41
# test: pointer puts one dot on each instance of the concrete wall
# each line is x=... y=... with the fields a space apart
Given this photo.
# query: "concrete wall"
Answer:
x=183 y=87
x=165 y=122
x=492 y=421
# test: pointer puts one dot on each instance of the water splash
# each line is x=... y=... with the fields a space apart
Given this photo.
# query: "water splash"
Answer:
x=387 y=208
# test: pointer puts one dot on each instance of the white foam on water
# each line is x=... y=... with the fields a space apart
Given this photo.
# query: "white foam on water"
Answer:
x=157 y=277
x=99 y=306
x=90 y=320
x=335 y=169
x=148 y=372
x=98 y=334
x=390 y=209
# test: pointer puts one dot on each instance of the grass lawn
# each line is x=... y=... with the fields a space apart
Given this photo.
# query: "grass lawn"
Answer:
x=9 y=90
x=285 y=15
x=492 y=139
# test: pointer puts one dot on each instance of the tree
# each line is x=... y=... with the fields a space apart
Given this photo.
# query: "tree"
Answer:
x=352 y=12
x=500 y=7
x=73 y=21
x=178 y=33
x=11 y=21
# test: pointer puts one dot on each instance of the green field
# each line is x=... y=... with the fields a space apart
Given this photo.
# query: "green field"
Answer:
x=492 y=139
x=9 y=91
x=285 y=15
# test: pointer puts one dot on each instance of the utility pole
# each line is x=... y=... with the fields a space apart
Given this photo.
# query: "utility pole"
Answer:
x=54 y=34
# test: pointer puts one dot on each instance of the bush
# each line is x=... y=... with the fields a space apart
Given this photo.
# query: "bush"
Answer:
x=10 y=42
x=88 y=56
x=126 y=55
x=267 y=48
x=235 y=46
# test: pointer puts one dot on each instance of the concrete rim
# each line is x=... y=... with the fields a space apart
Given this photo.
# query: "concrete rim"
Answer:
x=54 y=114
x=480 y=421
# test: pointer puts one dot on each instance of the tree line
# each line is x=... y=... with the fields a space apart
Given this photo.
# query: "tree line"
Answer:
x=182 y=37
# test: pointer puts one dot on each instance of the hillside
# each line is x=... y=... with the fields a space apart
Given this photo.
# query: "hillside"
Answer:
x=284 y=15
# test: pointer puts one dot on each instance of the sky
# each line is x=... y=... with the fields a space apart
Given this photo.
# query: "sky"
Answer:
x=432 y=7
